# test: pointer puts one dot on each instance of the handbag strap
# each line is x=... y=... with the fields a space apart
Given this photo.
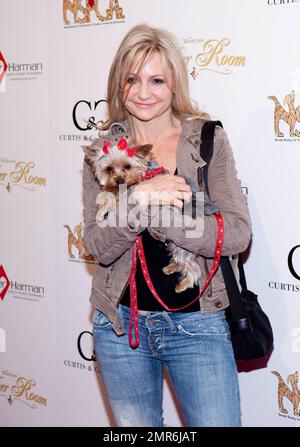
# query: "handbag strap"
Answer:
x=233 y=291
x=242 y=273
x=207 y=150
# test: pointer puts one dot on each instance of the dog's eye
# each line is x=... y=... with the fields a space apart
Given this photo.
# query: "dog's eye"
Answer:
x=127 y=166
x=109 y=168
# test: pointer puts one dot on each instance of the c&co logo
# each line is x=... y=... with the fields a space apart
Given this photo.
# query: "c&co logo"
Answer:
x=83 y=111
x=86 y=352
x=4 y=282
x=210 y=54
x=80 y=11
x=76 y=241
x=286 y=115
x=288 y=392
x=14 y=388
x=293 y=262
x=19 y=173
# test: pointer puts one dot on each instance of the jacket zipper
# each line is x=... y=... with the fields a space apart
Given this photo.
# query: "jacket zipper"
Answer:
x=108 y=275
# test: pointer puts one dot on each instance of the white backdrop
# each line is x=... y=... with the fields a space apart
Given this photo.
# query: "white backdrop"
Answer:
x=238 y=54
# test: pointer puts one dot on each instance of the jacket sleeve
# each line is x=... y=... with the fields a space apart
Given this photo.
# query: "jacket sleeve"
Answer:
x=226 y=193
x=108 y=243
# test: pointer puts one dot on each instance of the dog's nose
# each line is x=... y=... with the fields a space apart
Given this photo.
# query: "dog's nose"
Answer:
x=119 y=181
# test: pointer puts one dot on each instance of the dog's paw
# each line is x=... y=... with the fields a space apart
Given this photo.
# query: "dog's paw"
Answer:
x=169 y=269
x=186 y=283
x=102 y=213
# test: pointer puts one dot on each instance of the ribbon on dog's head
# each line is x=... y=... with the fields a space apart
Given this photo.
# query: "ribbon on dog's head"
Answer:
x=121 y=145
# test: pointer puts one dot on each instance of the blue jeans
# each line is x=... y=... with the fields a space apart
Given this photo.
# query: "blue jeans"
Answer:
x=196 y=349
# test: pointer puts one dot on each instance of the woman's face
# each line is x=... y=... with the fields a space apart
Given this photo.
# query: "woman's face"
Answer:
x=148 y=94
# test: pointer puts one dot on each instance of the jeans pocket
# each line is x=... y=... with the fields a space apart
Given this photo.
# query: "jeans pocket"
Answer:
x=100 y=320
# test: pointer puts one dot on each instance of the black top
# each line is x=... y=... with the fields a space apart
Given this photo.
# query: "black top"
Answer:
x=157 y=257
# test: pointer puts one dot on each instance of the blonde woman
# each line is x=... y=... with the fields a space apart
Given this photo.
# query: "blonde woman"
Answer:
x=148 y=95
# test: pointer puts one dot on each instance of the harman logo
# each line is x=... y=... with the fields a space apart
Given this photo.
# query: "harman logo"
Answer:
x=81 y=11
x=212 y=55
x=19 y=290
x=24 y=71
x=4 y=282
x=76 y=239
x=19 y=174
x=290 y=117
x=291 y=393
x=14 y=388
x=3 y=69
x=28 y=67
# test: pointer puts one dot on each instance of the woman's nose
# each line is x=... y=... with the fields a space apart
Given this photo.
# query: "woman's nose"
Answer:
x=144 y=91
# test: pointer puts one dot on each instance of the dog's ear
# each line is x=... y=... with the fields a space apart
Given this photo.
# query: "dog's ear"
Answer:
x=92 y=151
x=143 y=150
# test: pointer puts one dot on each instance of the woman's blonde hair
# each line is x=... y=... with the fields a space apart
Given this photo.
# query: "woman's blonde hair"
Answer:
x=139 y=43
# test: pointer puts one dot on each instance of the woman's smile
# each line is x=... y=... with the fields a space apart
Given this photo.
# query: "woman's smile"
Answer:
x=144 y=106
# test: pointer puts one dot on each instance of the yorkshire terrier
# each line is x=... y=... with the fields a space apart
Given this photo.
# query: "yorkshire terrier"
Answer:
x=115 y=163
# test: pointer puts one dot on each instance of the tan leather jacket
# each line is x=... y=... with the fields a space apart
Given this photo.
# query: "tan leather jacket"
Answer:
x=111 y=246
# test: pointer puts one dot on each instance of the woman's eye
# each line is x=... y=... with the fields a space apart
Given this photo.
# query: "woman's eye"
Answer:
x=131 y=80
x=158 y=81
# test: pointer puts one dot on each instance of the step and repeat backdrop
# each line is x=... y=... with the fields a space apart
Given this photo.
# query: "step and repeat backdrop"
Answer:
x=244 y=69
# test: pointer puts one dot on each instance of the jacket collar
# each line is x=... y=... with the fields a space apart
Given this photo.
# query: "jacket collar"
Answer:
x=191 y=134
x=191 y=137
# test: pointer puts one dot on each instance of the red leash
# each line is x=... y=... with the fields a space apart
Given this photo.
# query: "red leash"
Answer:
x=132 y=283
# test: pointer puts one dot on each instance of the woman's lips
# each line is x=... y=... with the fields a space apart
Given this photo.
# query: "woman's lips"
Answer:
x=144 y=106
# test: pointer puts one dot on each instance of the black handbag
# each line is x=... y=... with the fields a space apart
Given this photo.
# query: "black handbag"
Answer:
x=250 y=328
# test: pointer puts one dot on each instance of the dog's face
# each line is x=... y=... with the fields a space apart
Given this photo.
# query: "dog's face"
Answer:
x=114 y=166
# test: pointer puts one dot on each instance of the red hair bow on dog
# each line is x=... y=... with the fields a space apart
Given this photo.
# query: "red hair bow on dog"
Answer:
x=122 y=144
x=107 y=144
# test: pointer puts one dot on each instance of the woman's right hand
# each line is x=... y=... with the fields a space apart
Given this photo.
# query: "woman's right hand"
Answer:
x=166 y=189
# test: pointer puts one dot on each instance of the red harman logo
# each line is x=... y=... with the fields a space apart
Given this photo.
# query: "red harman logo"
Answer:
x=3 y=67
x=6 y=282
